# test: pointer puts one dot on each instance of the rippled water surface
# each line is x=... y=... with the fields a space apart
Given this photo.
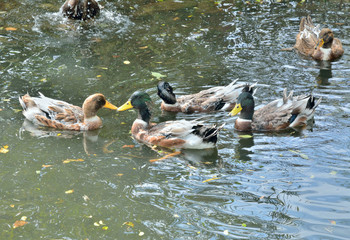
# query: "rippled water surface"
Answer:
x=289 y=185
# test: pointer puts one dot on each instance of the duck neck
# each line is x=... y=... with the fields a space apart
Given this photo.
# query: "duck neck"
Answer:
x=247 y=113
x=145 y=114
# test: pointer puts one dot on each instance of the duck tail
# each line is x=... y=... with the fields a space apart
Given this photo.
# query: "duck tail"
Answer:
x=208 y=134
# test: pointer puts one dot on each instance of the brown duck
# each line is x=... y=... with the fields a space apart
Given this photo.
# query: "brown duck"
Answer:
x=58 y=114
x=280 y=114
x=320 y=45
x=80 y=9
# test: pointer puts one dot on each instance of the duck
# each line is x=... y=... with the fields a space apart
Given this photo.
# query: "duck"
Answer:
x=210 y=100
x=44 y=111
x=178 y=134
x=290 y=112
x=80 y=9
x=320 y=45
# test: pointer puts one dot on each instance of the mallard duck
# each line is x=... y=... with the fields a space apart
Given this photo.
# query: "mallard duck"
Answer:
x=280 y=114
x=58 y=114
x=209 y=100
x=170 y=134
x=80 y=9
x=320 y=45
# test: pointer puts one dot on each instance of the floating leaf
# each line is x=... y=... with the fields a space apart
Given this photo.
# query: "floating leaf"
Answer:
x=12 y=205
x=104 y=68
x=37 y=171
x=226 y=232
x=333 y=173
x=144 y=47
x=10 y=29
x=105 y=147
x=126 y=62
x=244 y=225
x=105 y=227
x=86 y=198
x=98 y=76
x=245 y=136
x=176 y=215
x=69 y=191
x=128 y=146
x=302 y=155
x=157 y=75
x=73 y=160
x=120 y=174
x=4 y=150
x=130 y=224
x=43 y=80
x=59 y=134
x=96 y=224
x=191 y=167
x=333 y=222
x=101 y=222
x=19 y=223
x=210 y=179
x=46 y=166
x=141 y=234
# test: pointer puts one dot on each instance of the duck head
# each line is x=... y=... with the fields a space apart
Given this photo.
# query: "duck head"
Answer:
x=165 y=92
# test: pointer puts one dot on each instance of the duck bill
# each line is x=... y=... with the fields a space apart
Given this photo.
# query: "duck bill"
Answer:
x=110 y=106
x=320 y=43
x=125 y=106
x=236 y=109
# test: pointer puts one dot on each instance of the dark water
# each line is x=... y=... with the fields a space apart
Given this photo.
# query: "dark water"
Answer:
x=271 y=186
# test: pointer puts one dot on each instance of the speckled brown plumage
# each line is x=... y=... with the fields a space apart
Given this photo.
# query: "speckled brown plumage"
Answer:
x=320 y=45
x=58 y=114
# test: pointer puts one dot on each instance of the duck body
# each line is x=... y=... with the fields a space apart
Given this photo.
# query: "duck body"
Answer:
x=210 y=100
x=288 y=112
x=178 y=134
x=318 y=44
x=80 y=9
x=44 y=111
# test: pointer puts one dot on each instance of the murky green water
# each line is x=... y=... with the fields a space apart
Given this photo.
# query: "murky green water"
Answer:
x=265 y=188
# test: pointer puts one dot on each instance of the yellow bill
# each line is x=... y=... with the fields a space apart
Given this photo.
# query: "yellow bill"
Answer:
x=125 y=106
x=320 y=43
x=110 y=106
x=236 y=109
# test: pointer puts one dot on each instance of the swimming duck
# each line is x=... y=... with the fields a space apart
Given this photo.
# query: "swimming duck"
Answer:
x=58 y=114
x=170 y=134
x=80 y=9
x=209 y=100
x=280 y=114
x=320 y=45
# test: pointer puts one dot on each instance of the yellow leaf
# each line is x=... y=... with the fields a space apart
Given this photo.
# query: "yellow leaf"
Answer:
x=245 y=136
x=6 y=146
x=104 y=68
x=128 y=224
x=59 y=134
x=333 y=222
x=12 y=205
x=244 y=225
x=120 y=174
x=45 y=166
x=4 y=150
x=226 y=232
x=126 y=62
x=73 y=160
x=69 y=191
x=23 y=218
x=210 y=179
x=19 y=223
x=144 y=47
x=141 y=234
x=333 y=173
x=10 y=29
x=99 y=76
x=105 y=228
x=96 y=224
x=43 y=80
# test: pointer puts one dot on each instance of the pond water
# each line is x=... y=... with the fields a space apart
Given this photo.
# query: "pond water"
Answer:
x=271 y=186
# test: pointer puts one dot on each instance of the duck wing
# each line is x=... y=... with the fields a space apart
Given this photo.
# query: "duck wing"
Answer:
x=307 y=37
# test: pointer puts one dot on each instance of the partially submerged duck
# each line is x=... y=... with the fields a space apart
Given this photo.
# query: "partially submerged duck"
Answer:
x=320 y=45
x=280 y=114
x=58 y=114
x=170 y=134
x=80 y=9
x=210 y=100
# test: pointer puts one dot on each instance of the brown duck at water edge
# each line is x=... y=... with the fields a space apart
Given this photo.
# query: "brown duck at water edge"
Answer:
x=320 y=45
x=80 y=9
x=280 y=114
x=221 y=98
x=178 y=134
x=58 y=114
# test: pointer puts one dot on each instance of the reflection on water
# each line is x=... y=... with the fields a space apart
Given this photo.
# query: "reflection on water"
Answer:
x=325 y=73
